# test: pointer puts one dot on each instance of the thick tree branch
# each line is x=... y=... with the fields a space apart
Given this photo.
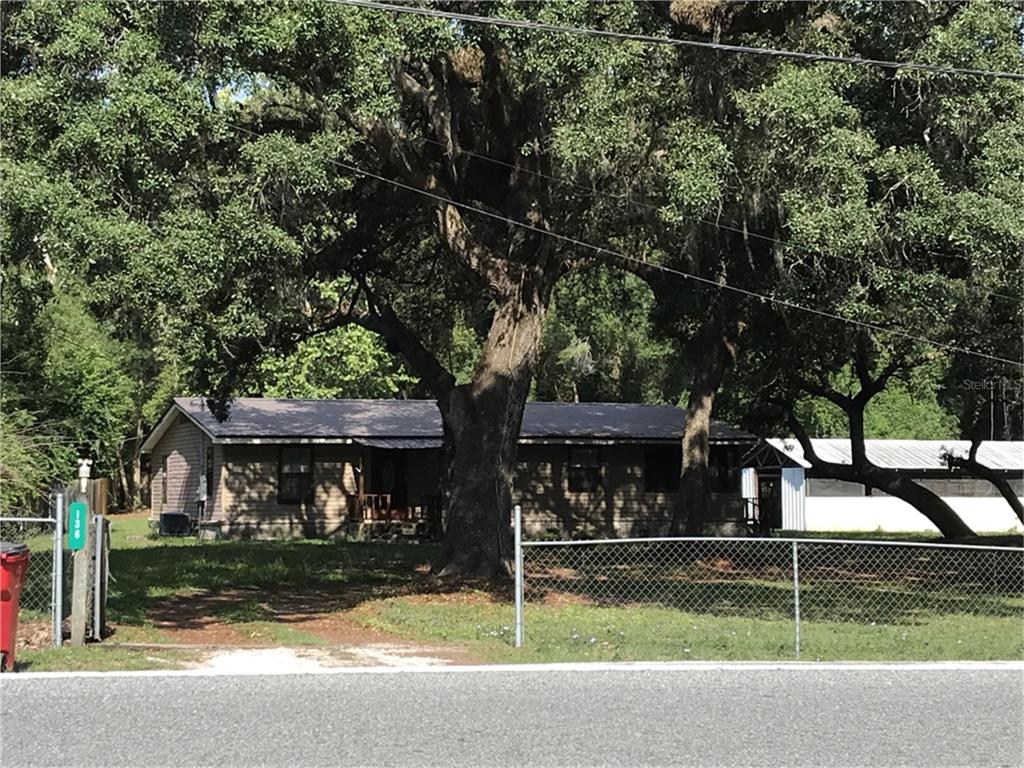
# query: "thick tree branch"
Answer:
x=379 y=318
x=453 y=228
x=498 y=110
x=462 y=242
x=975 y=468
x=382 y=320
x=889 y=481
x=797 y=428
x=391 y=149
x=882 y=381
x=433 y=100
x=861 y=364
x=830 y=393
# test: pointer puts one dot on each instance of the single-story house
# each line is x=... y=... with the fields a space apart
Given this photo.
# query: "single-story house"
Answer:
x=278 y=467
x=779 y=484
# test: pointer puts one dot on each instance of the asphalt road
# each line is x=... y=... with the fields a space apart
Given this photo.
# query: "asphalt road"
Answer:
x=696 y=717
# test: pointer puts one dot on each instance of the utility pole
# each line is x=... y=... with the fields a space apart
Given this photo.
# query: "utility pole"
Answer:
x=1007 y=432
x=992 y=414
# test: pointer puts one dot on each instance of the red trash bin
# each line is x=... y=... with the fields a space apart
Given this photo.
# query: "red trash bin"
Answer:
x=13 y=564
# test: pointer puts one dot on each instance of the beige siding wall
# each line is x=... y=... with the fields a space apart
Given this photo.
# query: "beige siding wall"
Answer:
x=183 y=446
x=620 y=508
x=243 y=497
x=215 y=502
x=248 y=504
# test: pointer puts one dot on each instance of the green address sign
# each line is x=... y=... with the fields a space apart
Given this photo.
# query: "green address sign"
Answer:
x=77 y=521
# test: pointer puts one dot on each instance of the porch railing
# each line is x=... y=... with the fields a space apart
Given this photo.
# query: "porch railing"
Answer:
x=377 y=514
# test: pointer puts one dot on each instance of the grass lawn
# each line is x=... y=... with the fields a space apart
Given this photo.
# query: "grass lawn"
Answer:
x=167 y=590
x=163 y=587
x=147 y=568
x=104 y=658
x=647 y=633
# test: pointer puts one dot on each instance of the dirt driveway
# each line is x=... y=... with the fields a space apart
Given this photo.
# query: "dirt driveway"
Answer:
x=240 y=626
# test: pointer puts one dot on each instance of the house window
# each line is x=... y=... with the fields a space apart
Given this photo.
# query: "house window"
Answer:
x=295 y=476
x=584 y=469
x=661 y=468
x=163 y=481
x=724 y=469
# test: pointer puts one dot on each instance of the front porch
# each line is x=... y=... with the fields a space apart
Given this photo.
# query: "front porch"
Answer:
x=379 y=515
x=397 y=492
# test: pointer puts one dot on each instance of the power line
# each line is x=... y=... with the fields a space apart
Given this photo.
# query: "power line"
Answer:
x=656 y=40
x=668 y=270
x=649 y=206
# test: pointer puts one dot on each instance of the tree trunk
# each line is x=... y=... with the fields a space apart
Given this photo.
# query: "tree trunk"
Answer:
x=1001 y=484
x=714 y=353
x=122 y=492
x=128 y=470
x=889 y=481
x=863 y=471
x=484 y=418
x=929 y=504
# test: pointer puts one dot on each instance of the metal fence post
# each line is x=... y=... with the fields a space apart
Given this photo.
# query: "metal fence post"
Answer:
x=100 y=573
x=796 y=598
x=518 y=514
x=57 y=589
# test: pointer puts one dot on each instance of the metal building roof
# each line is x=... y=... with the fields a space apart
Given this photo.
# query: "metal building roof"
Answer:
x=253 y=419
x=1006 y=455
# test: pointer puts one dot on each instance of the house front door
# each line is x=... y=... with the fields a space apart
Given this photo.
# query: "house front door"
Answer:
x=769 y=495
x=388 y=475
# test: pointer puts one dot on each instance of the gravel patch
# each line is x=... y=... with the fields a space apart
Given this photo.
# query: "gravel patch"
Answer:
x=285 y=661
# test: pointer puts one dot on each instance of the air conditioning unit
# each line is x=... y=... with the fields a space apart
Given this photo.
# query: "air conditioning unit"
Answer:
x=175 y=524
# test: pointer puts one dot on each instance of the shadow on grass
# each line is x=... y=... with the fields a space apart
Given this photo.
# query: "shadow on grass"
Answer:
x=184 y=586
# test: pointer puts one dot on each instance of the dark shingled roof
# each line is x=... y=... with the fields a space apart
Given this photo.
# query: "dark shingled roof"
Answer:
x=272 y=417
x=280 y=418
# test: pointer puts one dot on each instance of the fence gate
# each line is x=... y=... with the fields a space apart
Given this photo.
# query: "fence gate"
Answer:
x=44 y=604
x=46 y=593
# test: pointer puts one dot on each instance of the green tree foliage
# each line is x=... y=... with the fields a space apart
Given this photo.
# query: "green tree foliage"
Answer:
x=32 y=457
x=346 y=362
x=902 y=229
x=86 y=384
x=206 y=147
x=92 y=136
x=863 y=193
x=128 y=250
x=191 y=165
x=68 y=388
x=600 y=343
x=905 y=410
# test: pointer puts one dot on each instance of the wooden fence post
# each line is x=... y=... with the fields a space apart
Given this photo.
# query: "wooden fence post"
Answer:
x=80 y=579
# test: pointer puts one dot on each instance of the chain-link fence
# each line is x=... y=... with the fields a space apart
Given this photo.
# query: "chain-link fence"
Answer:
x=47 y=598
x=704 y=597
x=42 y=608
